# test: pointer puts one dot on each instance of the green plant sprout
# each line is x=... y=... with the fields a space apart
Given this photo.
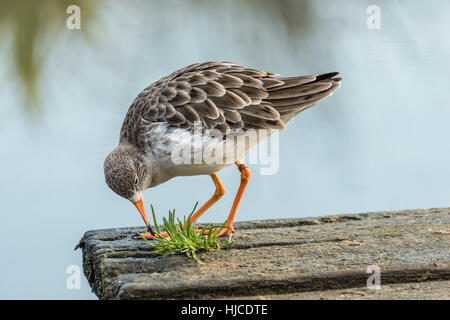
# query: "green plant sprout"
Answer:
x=185 y=237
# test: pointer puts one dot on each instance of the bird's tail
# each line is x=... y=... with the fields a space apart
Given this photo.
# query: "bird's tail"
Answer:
x=300 y=93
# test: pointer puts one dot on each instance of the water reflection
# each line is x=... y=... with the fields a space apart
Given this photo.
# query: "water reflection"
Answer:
x=379 y=143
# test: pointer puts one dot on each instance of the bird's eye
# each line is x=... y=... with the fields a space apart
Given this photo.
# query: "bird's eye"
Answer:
x=136 y=180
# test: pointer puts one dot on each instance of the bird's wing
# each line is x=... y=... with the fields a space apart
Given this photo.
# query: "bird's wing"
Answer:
x=223 y=96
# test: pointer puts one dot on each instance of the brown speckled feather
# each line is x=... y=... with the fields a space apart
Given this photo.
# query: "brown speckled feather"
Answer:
x=223 y=96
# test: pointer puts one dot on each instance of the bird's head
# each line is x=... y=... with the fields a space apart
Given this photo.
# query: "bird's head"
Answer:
x=127 y=174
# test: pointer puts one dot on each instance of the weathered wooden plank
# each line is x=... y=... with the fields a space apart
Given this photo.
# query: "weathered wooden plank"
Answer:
x=276 y=257
x=431 y=290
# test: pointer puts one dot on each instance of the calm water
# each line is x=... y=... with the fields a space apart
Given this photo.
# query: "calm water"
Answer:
x=380 y=143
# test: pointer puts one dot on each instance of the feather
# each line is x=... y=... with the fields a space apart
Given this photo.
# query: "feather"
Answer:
x=294 y=92
x=213 y=89
x=242 y=95
x=269 y=83
x=294 y=82
x=229 y=81
x=170 y=110
x=236 y=125
x=230 y=100
x=263 y=111
x=183 y=85
x=176 y=119
x=255 y=93
x=224 y=96
x=249 y=81
x=295 y=108
x=304 y=98
x=169 y=93
x=198 y=79
x=262 y=123
x=180 y=99
x=197 y=95
x=189 y=113
x=223 y=127
x=231 y=115
x=211 y=75
x=206 y=109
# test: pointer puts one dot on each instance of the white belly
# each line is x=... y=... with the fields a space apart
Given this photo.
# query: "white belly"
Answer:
x=178 y=152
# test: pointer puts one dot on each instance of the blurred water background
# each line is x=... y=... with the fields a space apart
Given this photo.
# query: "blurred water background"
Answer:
x=380 y=143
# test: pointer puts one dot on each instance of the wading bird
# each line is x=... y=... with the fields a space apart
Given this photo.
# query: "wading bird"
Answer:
x=218 y=97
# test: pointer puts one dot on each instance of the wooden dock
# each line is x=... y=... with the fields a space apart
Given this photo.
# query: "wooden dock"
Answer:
x=309 y=258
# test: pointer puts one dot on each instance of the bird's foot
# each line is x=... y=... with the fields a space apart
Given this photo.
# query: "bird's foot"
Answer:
x=224 y=231
x=149 y=236
x=163 y=234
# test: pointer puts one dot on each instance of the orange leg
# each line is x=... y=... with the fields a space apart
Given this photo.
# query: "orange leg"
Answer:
x=245 y=177
x=220 y=191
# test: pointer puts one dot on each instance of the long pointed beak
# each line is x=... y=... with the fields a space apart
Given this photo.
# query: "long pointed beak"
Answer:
x=140 y=206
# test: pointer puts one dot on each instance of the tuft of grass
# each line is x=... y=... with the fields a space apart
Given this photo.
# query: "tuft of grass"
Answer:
x=185 y=238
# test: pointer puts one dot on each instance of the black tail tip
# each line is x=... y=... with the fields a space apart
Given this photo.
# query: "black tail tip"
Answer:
x=328 y=76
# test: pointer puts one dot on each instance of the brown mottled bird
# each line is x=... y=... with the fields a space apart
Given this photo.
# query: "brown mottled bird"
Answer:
x=195 y=109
